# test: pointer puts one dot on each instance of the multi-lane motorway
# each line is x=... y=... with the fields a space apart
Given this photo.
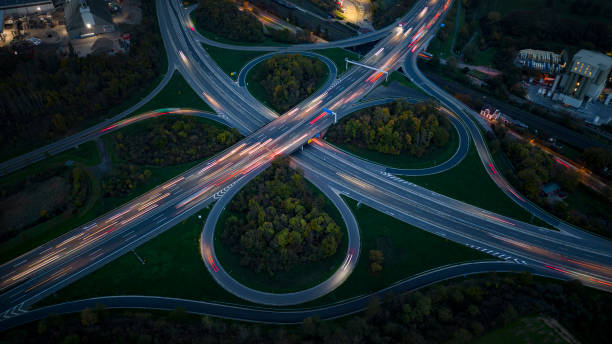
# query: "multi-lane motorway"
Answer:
x=52 y=265
x=57 y=263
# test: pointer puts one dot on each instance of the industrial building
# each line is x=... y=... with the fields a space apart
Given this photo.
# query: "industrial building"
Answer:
x=86 y=18
x=584 y=79
x=542 y=61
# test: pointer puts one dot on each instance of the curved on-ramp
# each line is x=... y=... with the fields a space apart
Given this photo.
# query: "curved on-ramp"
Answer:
x=273 y=316
x=207 y=250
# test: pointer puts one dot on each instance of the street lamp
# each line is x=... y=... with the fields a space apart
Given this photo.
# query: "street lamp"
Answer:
x=88 y=25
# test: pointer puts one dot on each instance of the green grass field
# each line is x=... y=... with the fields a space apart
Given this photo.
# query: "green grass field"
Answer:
x=173 y=267
x=338 y=55
x=177 y=93
x=525 y=330
x=408 y=251
x=461 y=182
x=484 y=57
x=402 y=79
x=299 y=278
x=231 y=60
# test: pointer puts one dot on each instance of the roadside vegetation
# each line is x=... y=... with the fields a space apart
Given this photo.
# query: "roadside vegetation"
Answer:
x=469 y=175
x=529 y=168
x=176 y=94
x=283 y=81
x=171 y=257
x=173 y=140
x=404 y=133
x=392 y=250
x=231 y=61
x=402 y=80
x=280 y=233
x=457 y=311
x=40 y=201
x=65 y=191
x=338 y=55
x=43 y=87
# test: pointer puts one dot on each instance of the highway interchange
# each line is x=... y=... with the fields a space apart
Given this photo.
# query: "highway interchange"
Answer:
x=568 y=253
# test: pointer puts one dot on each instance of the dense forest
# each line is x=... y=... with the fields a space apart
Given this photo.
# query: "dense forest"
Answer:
x=172 y=141
x=49 y=96
x=385 y=12
x=223 y=18
x=459 y=311
x=289 y=79
x=532 y=168
x=277 y=221
x=396 y=128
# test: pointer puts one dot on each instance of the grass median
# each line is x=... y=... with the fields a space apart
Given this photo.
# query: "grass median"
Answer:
x=173 y=267
x=231 y=61
x=176 y=94
x=470 y=183
x=338 y=55
x=407 y=251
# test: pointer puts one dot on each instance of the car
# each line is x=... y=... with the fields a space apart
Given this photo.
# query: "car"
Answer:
x=34 y=40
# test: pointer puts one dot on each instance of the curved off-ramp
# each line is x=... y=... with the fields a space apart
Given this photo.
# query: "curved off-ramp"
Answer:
x=207 y=249
x=273 y=316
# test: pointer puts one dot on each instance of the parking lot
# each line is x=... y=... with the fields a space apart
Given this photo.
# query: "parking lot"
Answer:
x=47 y=31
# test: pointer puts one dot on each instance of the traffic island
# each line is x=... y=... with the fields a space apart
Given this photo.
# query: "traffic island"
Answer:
x=279 y=234
x=398 y=135
x=281 y=81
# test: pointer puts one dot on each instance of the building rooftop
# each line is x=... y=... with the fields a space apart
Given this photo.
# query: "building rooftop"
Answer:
x=86 y=13
x=587 y=62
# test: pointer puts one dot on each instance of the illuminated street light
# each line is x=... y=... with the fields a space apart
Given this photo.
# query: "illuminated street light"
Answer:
x=88 y=25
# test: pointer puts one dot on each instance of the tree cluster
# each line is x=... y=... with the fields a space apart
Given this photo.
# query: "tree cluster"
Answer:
x=454 y=312
x=385 y=12
x=123 y=178
x=597 y=159
x=277 y=222
x=172 y=141
x=49 y=96
x=223 y=18
x=288 y=79
x=397 y=128
x=532 y=168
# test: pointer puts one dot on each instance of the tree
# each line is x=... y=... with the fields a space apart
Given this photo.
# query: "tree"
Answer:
x=597 y=158
x=89 y=317
x=376 y=260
